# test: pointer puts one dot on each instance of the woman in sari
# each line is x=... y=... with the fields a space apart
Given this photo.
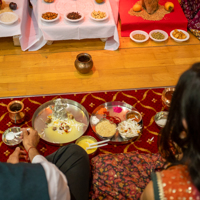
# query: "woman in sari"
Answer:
x=180 y=144
x=127 y=176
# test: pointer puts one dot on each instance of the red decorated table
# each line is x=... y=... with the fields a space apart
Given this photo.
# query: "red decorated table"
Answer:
x=174 y=20
x=146 y=101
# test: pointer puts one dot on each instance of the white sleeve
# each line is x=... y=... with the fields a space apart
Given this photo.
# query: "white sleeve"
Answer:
x=57 y=182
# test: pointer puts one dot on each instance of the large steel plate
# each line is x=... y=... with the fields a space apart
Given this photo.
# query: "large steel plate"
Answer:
x=77 y=110
x=110 y=109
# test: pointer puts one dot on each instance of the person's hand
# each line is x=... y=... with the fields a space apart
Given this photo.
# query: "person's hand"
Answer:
x=30 y=138
x=16 y=155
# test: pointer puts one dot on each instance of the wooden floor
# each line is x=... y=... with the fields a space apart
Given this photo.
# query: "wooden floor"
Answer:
x=51 y=69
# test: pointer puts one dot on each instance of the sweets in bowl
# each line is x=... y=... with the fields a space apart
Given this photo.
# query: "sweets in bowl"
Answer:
x=85 y=141
x=49 y=15
x=106 y=129
x=179 y=35
x=129 y=128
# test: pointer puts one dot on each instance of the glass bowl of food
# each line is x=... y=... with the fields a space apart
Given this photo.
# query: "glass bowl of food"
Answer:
x=84 y=142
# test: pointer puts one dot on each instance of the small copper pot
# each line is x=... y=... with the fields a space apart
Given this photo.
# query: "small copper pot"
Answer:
x=167 y=96
x=16 y=111
x=83 y=63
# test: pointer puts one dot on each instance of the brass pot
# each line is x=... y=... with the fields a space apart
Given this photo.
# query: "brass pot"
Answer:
x=84 y=63
x=16 y=111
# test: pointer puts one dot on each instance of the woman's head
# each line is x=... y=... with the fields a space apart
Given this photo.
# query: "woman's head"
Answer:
x=184 y=117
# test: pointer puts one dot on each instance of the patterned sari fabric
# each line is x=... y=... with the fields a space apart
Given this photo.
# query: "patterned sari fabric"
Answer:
x=122 y=176
x=174 y=183
x=191 y=9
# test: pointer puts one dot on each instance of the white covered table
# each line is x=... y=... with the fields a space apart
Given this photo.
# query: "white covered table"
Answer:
x=85 y=29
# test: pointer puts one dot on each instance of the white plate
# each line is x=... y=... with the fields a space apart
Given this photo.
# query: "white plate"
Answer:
x=163 y=32
x=74 y=20
x=179 y=40
x=139 y=32
x=10 y=13
x=52 y=20
x=99 y=20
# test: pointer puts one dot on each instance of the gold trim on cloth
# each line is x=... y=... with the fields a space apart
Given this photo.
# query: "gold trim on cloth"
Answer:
x=160 y=185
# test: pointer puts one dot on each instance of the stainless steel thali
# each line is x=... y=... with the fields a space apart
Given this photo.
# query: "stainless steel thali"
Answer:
x=118 y=110
x=77 y=110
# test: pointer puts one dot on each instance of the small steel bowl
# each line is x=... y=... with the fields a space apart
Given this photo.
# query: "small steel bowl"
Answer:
x=16 y=140
x=161 y=116
x=167 y=96
x=87 y=137
x=135 y=115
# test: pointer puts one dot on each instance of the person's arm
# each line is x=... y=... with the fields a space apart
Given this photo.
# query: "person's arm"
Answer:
x=148 y=193
x=57 y=183
x=30 y=142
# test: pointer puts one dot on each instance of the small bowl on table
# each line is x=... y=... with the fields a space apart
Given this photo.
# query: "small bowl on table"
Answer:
x=139 y=32
x=12 y=14
x=74 y=20
x=158 y=31
x=50 y=20
x=99 y=19
x=177 y=39
x=84 y=142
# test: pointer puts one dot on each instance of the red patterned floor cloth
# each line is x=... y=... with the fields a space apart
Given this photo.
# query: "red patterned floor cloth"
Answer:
x=146 y=101
x=174 y=20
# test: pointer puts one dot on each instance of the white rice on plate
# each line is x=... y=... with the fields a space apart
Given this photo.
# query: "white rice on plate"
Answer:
x=129 y=128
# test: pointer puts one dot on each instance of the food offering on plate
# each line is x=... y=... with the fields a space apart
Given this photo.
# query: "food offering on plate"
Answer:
x=49 y=1
x=106 y=129
x=129 y=128
x=8 y=18
x=139 y=36
x=49 y=15
x=158 y=35
x=179 y=35
x=106 y=118
x=58 y=128
x=74 y=16
x=60 y=121
x=99 y=15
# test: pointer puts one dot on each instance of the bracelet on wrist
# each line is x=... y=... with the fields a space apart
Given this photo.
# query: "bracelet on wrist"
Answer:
x=30 y=149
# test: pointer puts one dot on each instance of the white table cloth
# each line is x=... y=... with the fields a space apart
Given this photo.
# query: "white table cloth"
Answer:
x=87 y=28
x=14 y=29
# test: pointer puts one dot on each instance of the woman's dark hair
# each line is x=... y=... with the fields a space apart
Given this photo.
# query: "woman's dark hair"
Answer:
x=185 y=105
